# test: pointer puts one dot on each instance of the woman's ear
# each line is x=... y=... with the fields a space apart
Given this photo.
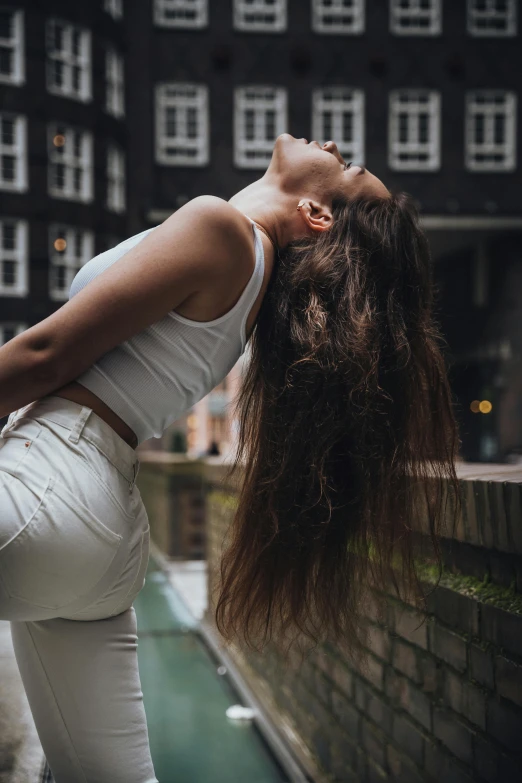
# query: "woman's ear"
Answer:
x=317 y=217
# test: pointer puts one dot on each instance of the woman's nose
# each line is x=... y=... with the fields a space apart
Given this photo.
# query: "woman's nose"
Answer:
x=331 y=146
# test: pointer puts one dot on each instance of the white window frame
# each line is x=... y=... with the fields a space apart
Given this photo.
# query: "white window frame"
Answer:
x=335 y=11
x=199 y=9
x=413 y=108
x=474 y=107
x=65 y=155
x=490 y=13
x=415 y=14
x=190 y=103
x=114 y=83
x=248 y=16
x=336 y=101
x=69 y=258
x=19 y=327
x=69 y=60
x=114 y=8
x=19 y=255
x=116 y=201
x=257 y=99
x=16 y=150
x=16 y=45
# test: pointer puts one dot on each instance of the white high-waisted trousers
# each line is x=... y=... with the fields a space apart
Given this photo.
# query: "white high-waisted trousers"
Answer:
x=74 y=546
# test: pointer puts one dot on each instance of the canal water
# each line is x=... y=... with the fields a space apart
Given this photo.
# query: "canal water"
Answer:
x=186 y=698
x=192 y=739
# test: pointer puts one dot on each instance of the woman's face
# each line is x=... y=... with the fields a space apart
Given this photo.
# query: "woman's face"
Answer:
x=306 y=167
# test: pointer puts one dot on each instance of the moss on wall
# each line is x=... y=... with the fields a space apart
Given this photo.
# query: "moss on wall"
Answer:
x=481 y=590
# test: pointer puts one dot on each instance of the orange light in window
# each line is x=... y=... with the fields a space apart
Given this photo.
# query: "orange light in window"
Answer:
x=475 y=406
x=60 y=244
x=485 y=406
x=59 y=140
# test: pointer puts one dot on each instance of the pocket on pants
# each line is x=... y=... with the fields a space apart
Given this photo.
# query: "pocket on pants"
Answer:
x=16 y=442
x=60 y=553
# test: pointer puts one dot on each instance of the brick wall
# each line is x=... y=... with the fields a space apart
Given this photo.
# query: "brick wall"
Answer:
x=440 y=696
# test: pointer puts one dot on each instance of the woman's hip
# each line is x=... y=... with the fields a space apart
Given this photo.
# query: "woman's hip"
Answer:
x=74 y=533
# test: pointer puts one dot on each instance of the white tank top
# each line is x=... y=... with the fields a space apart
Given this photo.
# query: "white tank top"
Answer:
x=154 y=377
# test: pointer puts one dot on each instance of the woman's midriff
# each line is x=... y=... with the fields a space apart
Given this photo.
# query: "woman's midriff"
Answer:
x=77 y=393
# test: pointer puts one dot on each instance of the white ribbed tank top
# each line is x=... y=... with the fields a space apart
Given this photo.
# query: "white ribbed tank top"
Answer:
x=154 y=377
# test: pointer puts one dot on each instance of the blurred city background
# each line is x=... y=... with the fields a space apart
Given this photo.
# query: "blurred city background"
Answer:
x=115 y=113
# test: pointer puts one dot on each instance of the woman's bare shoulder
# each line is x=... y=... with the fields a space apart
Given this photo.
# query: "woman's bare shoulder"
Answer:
x=223 y=210
x=236 y=229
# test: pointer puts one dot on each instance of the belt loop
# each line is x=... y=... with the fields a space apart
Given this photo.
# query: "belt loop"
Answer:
x=135 y=467
x=11 y=420
x=79 y=424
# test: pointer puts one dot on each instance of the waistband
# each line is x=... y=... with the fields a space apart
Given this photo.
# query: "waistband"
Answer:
x=83 y=422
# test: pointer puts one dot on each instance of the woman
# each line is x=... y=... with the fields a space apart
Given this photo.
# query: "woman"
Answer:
x=345 y=400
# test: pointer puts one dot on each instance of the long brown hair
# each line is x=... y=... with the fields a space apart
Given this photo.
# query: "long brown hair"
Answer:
x=345 y=420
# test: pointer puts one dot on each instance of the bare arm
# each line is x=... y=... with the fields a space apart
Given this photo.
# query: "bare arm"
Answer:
x=194 y=247
x=24 y=374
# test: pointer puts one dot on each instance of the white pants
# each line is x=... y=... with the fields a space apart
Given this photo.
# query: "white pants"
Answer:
x=74 y=547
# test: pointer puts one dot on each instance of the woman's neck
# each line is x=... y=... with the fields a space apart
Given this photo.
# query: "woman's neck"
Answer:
x=269 y=208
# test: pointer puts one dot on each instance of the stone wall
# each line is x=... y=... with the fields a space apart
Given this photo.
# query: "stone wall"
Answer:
x=440 y=697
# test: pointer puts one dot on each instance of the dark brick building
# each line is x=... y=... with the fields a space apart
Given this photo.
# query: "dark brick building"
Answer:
x=62 y=144
x=425 y=93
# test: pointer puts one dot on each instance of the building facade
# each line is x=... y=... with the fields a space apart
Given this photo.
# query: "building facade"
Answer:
x=190 y=102
x=62 y=145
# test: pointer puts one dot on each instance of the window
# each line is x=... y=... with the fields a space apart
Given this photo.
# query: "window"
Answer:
x=338 y=114
x=68 y=60
x=260 y=115
x=114 y=83
x=181 y=13
x=114 y=8
x=70 y=163
x=12 y=67
x=182 y=124
x=338 y=16
x=492 y=17
x=14 y=263
x=69 y=249
x=416 y=17
x=267 y=16
x=414 y=130
x=115 y=179
x=10 y=329
x=490 y=130
x=13 y=152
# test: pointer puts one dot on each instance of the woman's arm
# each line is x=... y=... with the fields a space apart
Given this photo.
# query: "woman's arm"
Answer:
x=25 y=372
x=190 y=251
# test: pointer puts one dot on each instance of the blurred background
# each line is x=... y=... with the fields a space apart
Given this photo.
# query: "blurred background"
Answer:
x=115 y=113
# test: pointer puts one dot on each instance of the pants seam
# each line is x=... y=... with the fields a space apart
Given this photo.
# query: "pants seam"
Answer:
x=131 y=588
x=56 y=701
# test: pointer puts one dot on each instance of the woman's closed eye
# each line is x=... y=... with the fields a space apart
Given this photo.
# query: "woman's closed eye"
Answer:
x=347 y=165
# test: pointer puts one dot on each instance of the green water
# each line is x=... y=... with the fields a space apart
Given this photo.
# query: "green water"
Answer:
x=191 y=738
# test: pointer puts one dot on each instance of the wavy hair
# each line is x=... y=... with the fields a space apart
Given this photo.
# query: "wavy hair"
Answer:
x=346 y=433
